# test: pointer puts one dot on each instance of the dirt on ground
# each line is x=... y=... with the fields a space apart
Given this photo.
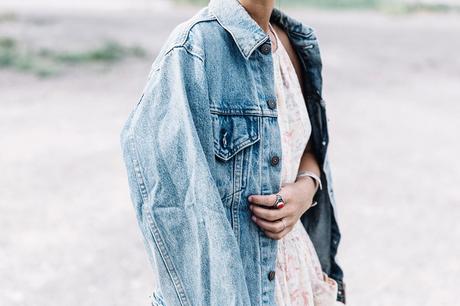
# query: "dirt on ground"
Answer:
x=68 y=230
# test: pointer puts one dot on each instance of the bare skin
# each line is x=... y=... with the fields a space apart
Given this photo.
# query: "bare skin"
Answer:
x=298 y=195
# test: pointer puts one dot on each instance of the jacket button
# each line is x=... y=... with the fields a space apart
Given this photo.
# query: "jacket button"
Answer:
x=271 y=103
x=271 y=275
x=275 y=160
x=323 y=103
x=266 y=48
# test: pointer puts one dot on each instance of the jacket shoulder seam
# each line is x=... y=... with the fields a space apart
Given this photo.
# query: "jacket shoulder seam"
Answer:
x=186 y=35
x=183 y=42
x=173 y=48
x=193 y=54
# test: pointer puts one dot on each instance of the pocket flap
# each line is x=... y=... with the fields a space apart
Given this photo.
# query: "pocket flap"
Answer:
x=233 y=133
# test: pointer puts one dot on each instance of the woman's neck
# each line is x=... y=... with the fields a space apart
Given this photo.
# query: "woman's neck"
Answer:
x=260 y=11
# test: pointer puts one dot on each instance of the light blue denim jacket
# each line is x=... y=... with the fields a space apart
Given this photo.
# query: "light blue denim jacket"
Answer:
x=203 y=137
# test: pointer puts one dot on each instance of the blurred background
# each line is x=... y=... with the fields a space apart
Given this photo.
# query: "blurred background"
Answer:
x=70 y=73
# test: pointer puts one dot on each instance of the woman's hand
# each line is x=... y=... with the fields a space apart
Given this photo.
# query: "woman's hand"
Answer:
x=298 y=198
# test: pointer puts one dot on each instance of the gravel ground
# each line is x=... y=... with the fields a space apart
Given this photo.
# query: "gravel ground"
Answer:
x=392 y=83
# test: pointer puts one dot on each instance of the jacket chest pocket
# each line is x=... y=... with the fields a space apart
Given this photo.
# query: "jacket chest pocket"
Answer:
x=234 y=137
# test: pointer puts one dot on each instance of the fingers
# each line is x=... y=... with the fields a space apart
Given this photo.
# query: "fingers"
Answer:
x=265 y=200
x=279 y=235
x=268 y=218
x=271 y=226
x=268 y=214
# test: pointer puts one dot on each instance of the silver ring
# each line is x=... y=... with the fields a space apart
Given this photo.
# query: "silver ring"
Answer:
x=284 y=224
x=279 y=200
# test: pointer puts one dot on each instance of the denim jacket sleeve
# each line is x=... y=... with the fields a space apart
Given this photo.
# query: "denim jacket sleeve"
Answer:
x=167 y=151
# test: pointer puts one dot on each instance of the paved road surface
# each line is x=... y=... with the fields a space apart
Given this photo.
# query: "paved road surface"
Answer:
x=68 y=232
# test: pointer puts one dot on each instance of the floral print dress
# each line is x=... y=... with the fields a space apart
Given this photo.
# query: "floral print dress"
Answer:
x=299 y=278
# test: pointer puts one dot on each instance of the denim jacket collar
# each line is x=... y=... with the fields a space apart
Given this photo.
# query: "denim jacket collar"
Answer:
x=290 y=24
x=245 y=31
x=233 y=17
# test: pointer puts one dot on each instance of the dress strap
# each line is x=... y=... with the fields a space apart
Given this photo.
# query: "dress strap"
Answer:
x=276 y=36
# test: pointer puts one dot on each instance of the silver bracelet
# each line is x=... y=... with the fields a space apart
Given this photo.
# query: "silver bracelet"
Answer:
x=313 y=176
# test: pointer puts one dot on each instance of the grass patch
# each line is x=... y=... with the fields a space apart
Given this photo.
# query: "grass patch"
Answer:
x=427 y=7
x=8 y=17
x=110 y=52
x=46 y=62
x=387 y=6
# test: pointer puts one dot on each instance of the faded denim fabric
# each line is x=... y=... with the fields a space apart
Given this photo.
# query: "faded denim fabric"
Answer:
x=200 y=140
